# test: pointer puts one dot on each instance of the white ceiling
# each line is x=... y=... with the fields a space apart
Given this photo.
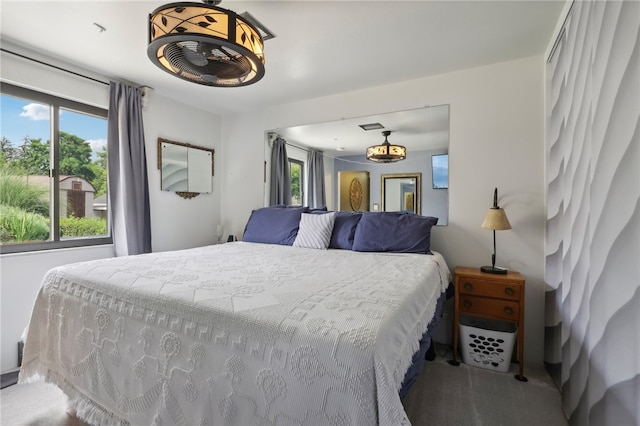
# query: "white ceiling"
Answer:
x=321 y=47
x=418 y=130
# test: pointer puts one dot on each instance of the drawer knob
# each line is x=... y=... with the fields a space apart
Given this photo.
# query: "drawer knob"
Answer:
x=508 y=310
x=468 y=286
x=467 y=304
x=509 y=291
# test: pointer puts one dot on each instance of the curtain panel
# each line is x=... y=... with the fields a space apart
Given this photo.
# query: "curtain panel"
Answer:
x=316 y=193
x=592 y=338
x=128 y=184
x=280 y=193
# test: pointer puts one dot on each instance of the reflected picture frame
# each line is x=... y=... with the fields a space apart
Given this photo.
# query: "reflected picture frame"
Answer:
x=440 y=171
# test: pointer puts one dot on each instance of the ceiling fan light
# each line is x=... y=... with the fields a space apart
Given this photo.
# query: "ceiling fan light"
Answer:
x=386 y=152
x=205 y=44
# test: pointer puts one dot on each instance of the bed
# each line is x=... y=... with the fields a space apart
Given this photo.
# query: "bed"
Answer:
x=240 y=333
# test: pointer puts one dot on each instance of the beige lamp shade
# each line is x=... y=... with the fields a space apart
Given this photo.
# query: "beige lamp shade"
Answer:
x=496 y=219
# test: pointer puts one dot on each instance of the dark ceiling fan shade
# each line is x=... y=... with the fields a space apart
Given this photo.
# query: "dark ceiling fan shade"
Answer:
x=205 y=44
x=386 y=152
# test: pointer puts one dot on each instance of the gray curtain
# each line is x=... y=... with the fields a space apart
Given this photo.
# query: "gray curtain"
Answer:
x=317 y=197
x=127 y=164
x=280 y=180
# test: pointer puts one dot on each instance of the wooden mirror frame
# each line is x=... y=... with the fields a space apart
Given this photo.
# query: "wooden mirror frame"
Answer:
x=417 y=207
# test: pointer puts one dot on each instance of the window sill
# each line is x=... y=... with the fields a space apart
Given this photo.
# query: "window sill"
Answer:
x=54 y=245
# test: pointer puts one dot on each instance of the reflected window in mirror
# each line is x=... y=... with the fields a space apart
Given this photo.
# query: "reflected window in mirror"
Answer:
x=440 y=171
x=296 y=175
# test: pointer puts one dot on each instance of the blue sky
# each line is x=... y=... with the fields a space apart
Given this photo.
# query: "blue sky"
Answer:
x=440 y=164
x=20 y=118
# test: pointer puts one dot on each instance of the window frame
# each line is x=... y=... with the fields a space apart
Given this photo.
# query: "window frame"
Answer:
x=56 y=103
x=302 y=188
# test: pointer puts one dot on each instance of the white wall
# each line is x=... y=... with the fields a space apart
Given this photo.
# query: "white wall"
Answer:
x=178 y=223
x=175 y=222
x=496 y=140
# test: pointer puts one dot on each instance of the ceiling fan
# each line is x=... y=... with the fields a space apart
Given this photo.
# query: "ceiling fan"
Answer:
x=206 y=44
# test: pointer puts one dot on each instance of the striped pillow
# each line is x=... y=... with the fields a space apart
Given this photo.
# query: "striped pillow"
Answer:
x=315 y=230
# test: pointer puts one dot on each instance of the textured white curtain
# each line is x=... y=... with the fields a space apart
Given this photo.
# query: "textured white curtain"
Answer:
x=592 y=277
x=128 y=182
x=317 y=197
x=280 y=181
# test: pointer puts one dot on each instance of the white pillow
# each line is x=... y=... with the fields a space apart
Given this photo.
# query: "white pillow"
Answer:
x=315 y=230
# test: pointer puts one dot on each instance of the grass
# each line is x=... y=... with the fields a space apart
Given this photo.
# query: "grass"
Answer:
x=17 y=225
x=15 y=191
x=82 y=226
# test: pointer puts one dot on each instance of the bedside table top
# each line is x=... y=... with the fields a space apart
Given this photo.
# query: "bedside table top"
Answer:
x=477 y=273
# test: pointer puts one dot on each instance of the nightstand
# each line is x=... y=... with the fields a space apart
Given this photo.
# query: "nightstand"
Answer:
x=493 y=296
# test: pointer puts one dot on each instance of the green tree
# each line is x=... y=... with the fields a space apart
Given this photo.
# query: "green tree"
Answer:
x=101 y=161
x=34 y=156
x=75 y=156
x=295 y=183
x=7 y=152
x=99 y=168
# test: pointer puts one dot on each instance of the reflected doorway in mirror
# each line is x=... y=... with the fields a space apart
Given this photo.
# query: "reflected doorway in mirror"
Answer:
x=353 y=191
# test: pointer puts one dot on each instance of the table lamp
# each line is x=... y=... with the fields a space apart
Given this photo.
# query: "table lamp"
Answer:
x=496 y=220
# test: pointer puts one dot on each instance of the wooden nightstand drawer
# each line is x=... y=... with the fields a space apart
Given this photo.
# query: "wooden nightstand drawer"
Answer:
x=495 y=308
x=491 y=296
x=489 y=288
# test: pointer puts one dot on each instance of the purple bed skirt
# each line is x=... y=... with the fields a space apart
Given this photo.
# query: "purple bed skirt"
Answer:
x=425 y=344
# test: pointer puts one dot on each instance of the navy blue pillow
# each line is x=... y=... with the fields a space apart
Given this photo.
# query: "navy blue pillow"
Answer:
x=273 y=225
x=394 y=232
x=344 y=230
x=320 y=210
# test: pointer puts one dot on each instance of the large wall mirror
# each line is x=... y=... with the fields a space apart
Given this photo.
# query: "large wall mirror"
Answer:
x=185 y=169
x=423 y=131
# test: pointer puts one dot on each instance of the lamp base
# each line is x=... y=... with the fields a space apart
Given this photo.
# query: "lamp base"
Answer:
x=493 y=270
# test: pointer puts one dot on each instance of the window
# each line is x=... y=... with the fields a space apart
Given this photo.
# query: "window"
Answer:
x=440 y=171
x=296 y=174
x=53 y=174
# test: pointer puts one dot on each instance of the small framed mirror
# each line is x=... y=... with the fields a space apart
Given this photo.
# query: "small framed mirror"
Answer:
x=185 y=169
x=401 y=192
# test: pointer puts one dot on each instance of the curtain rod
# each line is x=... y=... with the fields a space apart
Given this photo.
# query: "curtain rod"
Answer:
x=299 y=147
x=275 y=135
x=54 y=66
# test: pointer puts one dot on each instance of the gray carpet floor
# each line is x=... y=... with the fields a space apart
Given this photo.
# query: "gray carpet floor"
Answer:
x=443 y=395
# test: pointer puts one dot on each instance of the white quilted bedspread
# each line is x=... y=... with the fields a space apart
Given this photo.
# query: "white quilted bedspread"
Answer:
x=235 y=334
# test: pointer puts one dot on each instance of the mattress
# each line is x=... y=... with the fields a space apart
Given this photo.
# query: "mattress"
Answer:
x=235 y=334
